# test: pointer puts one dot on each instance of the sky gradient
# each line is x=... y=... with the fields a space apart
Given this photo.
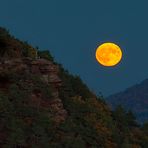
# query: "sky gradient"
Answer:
x=72 y=30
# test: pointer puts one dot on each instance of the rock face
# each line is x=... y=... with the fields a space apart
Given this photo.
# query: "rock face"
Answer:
x=48 y=72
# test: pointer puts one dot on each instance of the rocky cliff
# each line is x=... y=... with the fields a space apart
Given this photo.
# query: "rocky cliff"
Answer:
x=44 y=69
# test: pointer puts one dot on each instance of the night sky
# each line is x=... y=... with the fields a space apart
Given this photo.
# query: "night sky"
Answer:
x=72 y=30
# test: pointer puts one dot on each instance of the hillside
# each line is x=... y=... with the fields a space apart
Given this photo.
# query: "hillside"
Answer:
x=134 y=98
x=42 y=105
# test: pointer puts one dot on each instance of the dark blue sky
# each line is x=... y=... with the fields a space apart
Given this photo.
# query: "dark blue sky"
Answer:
x=72 y=29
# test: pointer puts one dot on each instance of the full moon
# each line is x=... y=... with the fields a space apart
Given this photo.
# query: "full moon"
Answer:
x=108 y=54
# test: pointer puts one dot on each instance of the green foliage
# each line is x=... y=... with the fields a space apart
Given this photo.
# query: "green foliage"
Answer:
x=17 y=134
x=9 y=46
x=6 y=107
x=45 y=55
x=13 y=109
x=145 y=127
x=86 y=121
x=29 y=51
x=74 y=85
x=131 y=119
x=4 y=32
x=12 y=47
x=144 y=139
x=125 y=123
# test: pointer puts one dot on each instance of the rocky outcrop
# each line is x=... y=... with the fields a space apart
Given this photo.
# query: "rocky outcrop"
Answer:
x=41 y=67
x=48 y=72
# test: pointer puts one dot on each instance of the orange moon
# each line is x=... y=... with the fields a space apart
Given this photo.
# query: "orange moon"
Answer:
x=108 y=54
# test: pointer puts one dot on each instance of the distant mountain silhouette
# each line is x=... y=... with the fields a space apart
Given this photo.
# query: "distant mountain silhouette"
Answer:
x=134 y=98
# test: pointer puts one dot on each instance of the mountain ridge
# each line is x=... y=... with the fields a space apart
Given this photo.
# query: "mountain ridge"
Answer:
x=134 y=98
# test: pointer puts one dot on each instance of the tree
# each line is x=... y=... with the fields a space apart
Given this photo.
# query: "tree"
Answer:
x=119 y=116
x=131 y=119
x=46 y=55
